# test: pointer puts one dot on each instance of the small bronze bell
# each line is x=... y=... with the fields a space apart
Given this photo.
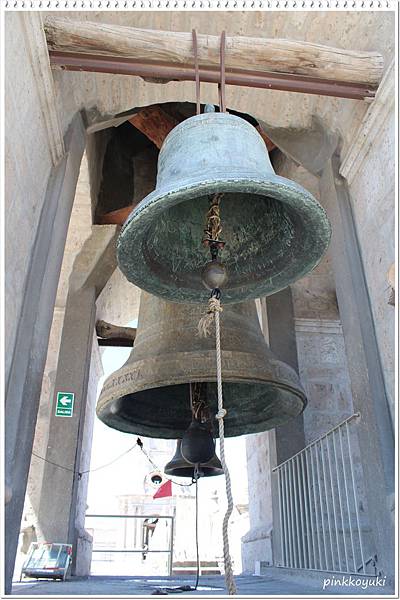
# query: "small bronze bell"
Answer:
x=197 y=443
x=150 y=394
x=274 y=230
x=178 y=467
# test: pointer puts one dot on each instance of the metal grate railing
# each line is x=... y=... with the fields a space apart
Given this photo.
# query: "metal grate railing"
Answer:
x=107 y=552
x=320 y=526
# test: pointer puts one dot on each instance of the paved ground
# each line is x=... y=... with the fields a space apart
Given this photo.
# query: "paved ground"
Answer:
x=269 y=585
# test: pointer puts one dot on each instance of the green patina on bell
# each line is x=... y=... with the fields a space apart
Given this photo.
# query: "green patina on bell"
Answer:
x=150 y=394
x=275 y=231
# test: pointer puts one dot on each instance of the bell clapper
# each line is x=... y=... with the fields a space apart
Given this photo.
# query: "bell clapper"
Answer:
x=198 y=446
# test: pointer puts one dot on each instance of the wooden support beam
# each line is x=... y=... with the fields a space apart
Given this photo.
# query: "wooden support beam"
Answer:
x=269 y=143
x=242 y=53
x=109 y=331
x=116 y=217
x=116 y=342
x=155 y=123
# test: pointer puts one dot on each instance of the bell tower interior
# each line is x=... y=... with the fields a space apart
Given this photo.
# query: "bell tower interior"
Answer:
x=105 y=375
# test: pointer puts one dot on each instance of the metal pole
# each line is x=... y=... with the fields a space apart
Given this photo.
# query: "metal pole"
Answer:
x=347 y=502
x=292 y=514
x=300 y=490
x=310 y=509
x=296 y=511
x=340 y=502
x=307 y=500
x=327 y=504
x=285 y=518
x=333 y=503
x=289 y=529
x=281 y=525
x=316 y=511
x=355 y=497
x=171 y=548
x=321 y=507
x=74 y=61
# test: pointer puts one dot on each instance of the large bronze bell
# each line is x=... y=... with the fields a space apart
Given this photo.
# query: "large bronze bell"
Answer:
x=150 y=394
x=274 y=230
x=178 y=466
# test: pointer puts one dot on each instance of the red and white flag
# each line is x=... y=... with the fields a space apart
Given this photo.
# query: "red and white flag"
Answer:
x=164 y=490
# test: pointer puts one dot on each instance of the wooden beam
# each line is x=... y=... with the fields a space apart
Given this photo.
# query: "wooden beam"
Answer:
x=269 y=143
x=116 y=217
x=242 y=53
x=116 y=342
x=155 y=123
x=109 y=331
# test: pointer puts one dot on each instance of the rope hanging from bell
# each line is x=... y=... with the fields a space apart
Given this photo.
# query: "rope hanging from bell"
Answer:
x=214 y=276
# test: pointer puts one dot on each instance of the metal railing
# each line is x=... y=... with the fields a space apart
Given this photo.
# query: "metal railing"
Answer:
x=319 y=517
x=144 y=550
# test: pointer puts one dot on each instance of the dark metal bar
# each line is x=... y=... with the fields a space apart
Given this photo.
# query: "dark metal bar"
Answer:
x=116 y=342
x=131 y=516
x=221 y=85
x=196 y=70
x=142 y=551
x=273 y=81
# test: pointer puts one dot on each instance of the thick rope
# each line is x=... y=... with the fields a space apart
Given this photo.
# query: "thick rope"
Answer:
x=206 y=321
x=214 y=308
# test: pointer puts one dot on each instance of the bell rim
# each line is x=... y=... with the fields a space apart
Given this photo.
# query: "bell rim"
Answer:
x=106 y=399
x=211 y=472
x=277 y=187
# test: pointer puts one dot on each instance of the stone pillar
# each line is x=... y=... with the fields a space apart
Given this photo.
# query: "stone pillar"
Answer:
x=288 y=439
x=364 y=364
x=282 y=340
x=66 y=444
x=29 y=353
x=79 y=229
x=83 y=554
x=266 y=450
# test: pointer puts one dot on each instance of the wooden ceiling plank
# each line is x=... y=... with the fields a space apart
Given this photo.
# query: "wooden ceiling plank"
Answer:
x=252 y=54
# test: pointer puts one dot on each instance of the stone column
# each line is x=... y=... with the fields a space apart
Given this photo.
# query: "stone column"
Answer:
x=66 y=444
x=29 y=353
x=365 y=370
x=266 y=450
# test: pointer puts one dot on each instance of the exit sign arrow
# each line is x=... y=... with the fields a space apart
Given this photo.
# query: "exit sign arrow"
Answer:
x=65 y=400
x=65 y=404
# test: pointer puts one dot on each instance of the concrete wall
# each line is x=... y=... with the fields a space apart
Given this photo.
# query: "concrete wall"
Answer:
x=370 y=170
x=79 y=230
x=257 y=542
x=41 y=171
x=26 y=175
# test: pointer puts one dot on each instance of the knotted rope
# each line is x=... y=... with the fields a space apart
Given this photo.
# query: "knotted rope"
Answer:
x=214 y=309
x=206 y=321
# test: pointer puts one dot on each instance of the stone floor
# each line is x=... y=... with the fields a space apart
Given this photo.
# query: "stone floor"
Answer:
x=275 y=584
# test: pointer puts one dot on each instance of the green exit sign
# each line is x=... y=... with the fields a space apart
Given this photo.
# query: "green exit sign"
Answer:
x=65 y=404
